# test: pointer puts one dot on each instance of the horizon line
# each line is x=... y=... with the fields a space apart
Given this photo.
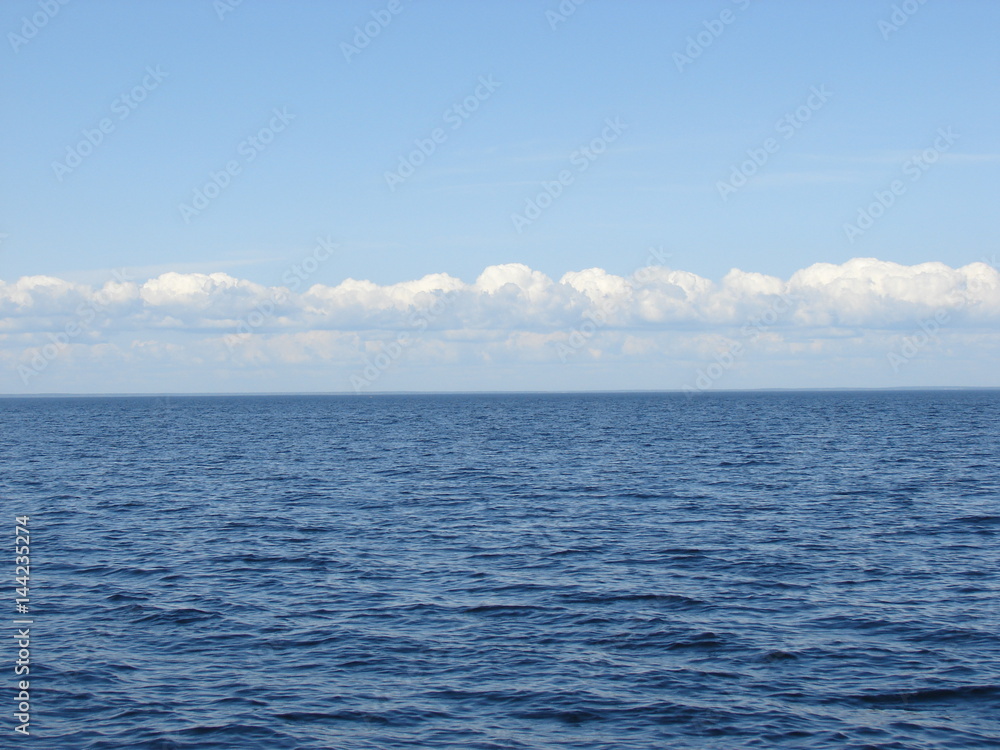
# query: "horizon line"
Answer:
x=677 y=391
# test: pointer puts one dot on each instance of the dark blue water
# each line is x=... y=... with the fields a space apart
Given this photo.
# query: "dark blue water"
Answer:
x=797 y=570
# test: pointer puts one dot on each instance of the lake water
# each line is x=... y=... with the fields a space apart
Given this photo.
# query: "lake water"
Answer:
x=734 y=570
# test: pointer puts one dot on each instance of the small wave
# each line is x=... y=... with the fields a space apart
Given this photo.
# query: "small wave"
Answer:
x=702 y=640
x=778 y=655
x=979 y=520
x=184 y=616
x=932 y=695
x=500 y=609
x=628 y=597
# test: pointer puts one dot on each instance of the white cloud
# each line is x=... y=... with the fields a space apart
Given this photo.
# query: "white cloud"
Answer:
x=861 y=292
x=510 y=313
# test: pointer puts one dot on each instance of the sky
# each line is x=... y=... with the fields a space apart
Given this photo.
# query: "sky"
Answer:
x=225 y=196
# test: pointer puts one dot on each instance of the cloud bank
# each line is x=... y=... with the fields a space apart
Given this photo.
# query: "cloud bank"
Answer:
x=510 y=315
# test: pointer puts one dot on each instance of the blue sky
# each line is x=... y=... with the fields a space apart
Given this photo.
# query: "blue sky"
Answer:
x=888 y=95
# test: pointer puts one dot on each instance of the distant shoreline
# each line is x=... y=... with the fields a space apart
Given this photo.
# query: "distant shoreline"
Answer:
x=678 y=392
